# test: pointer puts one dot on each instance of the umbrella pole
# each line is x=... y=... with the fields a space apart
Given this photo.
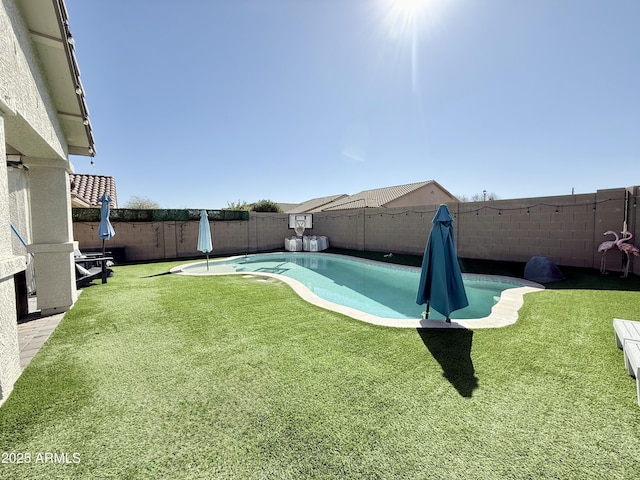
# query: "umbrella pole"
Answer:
x=207 y=262
x=104 y=265
x=427 y=312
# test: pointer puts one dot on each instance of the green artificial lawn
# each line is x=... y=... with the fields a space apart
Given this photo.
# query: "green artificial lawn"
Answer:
x=167 y=376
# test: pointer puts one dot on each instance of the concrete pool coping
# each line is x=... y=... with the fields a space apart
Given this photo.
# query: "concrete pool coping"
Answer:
x=503 y=313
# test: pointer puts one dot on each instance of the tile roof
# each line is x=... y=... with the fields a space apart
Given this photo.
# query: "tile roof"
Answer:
x=377 y=197
x=286 y=207
x=86 y=190
x=315 y=204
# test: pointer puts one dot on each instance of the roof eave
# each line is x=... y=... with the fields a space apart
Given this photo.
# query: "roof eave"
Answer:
x=69 y=48
x=56 y=47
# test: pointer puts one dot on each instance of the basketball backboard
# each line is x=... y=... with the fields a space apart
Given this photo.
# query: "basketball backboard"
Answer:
x=300 y=220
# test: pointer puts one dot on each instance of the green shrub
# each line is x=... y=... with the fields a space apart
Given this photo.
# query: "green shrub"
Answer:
x=266 y=206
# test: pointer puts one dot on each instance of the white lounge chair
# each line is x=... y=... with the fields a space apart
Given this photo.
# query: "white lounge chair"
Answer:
x=625 y=329
x=632 y=361
x=627 y=333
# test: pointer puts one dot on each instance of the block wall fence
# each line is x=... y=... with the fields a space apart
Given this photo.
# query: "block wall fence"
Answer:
x=567 y=229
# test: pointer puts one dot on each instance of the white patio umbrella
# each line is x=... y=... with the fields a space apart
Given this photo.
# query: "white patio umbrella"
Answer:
x=105 y=229
x=204 y=235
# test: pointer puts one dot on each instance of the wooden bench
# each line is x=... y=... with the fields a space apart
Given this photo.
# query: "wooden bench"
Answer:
x=625 y=329
x=632 y=361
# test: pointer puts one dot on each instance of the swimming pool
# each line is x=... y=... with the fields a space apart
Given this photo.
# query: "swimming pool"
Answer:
x=376 y=292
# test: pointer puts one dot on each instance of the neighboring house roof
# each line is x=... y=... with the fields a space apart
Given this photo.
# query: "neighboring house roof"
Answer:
x=86 y=190
x=315 y=204
x=379 y=197
x=48 y=24
x=285 y=207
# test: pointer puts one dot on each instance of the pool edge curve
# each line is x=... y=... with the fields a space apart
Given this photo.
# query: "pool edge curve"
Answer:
x=503 y=313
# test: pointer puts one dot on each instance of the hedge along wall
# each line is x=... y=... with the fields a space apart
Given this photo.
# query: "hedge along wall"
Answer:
x=567 y=229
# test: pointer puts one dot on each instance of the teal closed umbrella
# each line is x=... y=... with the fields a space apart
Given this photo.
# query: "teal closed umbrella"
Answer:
x=441 y=285
x=204 y=235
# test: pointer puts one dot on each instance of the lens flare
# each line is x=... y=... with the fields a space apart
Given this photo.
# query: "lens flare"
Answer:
x=408 y=20
x=403 y=16
x=410 y=7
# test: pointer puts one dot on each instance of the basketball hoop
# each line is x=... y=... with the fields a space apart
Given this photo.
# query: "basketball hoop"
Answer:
x=299 y=228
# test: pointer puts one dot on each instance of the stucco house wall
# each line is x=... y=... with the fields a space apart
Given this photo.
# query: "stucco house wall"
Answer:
x=34 y=190
x=19 y=208
x=31 y=120
x=10 y=264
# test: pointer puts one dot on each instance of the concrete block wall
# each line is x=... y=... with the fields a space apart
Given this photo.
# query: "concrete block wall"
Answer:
x=165 y=240
x=230 y=237
x=342 y=228
x=398 y=230
x=560 y=228
x=567 y=229
x=635 y=227
x=610 y=212
x=143 y=241
x=269 y=230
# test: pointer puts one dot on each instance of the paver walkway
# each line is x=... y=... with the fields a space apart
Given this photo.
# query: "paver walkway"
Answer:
x=33 y=332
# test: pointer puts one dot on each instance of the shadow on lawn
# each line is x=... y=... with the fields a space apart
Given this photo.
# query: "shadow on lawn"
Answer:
x=157 y=275
x=452 y=350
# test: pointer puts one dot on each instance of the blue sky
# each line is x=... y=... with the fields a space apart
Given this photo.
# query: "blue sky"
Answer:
x=198 y=103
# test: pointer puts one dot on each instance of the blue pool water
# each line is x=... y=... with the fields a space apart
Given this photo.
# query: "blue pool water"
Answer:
x=381 y=289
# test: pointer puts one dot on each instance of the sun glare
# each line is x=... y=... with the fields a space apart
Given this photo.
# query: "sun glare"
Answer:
x=409 y=7
x=403 y=16
x=406 y=21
